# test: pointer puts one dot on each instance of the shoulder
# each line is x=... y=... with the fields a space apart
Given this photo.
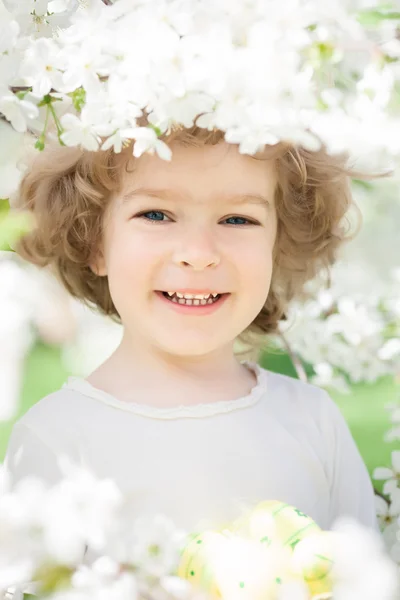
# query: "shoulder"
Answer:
x=302 y=400
x=296 y=393
x=49 y=429
x=308 y=414
x=55 y=411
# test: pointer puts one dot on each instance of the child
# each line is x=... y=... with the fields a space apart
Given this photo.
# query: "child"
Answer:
x=191 y=256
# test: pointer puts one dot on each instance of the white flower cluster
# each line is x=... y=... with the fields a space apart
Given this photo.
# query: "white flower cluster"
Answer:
x=304 y=71
x=351 y=331
x=39 y=17
x=388 y=504
x=347 y=337
x=80 y=540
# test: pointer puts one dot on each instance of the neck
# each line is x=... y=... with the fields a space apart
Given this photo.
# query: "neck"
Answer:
x=145 y=377
x=149 y=360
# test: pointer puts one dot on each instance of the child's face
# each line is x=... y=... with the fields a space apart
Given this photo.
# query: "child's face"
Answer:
x=196 y=239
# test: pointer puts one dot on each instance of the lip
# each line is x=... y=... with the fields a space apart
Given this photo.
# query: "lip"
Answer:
x=193 y=291
x=193 y=310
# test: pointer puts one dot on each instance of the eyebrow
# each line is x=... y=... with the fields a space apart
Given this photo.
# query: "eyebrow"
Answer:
x=165 y=194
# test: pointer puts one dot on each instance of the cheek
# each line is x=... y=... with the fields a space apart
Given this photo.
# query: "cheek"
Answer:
x=256 y=265
x=257 y=279
x=130 y=260
x=255 y=259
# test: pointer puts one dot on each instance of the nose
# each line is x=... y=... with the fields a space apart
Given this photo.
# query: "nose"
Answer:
x=196 y=248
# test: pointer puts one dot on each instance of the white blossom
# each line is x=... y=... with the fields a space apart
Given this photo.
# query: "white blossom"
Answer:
x=59 y=6
x=391 y=476
x=102 y=580
x=388 y=511
x=80 y=131
x=9 y=32
x=150 y=542
x=394 y=432
x=40 y=67
x=81 y=510
x=18 y=111
x=147 y=141
x=252 y=69
x=11 y=146
x=362 y=568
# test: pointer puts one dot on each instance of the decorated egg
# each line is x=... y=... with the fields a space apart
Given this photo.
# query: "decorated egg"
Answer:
x=227 y=566
x=312 y=561
x=274 y=522
x=196 y=561
x=271 y=544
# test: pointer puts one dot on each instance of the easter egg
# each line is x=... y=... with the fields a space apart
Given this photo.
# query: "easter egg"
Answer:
x=273 y=543
x=228 y=567
x=274 y=522
x=196 y=561
x=312 y=561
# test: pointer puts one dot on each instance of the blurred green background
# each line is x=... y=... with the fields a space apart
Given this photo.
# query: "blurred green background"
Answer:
x=363 y=408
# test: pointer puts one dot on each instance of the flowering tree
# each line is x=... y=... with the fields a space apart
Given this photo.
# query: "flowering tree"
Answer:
x=349 y=330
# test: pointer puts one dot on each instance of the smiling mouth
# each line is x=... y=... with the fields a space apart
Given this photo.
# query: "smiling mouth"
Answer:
x=193 y=301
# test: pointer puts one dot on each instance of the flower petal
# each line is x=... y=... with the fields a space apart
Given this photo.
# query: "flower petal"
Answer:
x=396 y=460
x=163 y=150
x=382 y=473
x=390 y=486
x=140 y=147
x=381 y=506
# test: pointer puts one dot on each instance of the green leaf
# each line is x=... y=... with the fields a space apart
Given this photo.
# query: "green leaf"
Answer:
x=156 y=129
x=52 y=578
x=78 y=98
x=394 y=102
x=47 y=99
x=321 y=105
x=4 y=206
x=12 y=227
x=319 y=53
x=366 y=185
x=21 y=94
x=395 y=16
x=39 y=145
x=374 y=16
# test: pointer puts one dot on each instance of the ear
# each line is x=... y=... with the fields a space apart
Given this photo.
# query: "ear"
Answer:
x=98 y=265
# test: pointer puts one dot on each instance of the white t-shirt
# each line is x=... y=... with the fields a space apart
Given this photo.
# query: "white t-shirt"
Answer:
x=201 y=465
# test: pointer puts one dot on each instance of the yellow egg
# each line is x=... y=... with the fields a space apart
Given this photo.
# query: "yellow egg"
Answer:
x=300 y=550
x=312 y=560
x=274 y=522
x=196 y=561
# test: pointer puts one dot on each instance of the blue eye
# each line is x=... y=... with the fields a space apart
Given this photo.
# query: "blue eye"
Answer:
x=153 y=212
x=240 y=218
x=159 y=214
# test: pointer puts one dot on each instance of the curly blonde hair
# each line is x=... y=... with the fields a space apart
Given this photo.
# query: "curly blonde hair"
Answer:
x=68 y=190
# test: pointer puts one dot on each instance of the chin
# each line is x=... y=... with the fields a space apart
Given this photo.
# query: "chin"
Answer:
x=200 y=348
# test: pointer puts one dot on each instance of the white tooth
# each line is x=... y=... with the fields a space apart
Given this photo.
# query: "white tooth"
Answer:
x=196 y=302
x=179 y=295
x=203 y=301
x=214 y=295
x=170 y=293
x=188 y=296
